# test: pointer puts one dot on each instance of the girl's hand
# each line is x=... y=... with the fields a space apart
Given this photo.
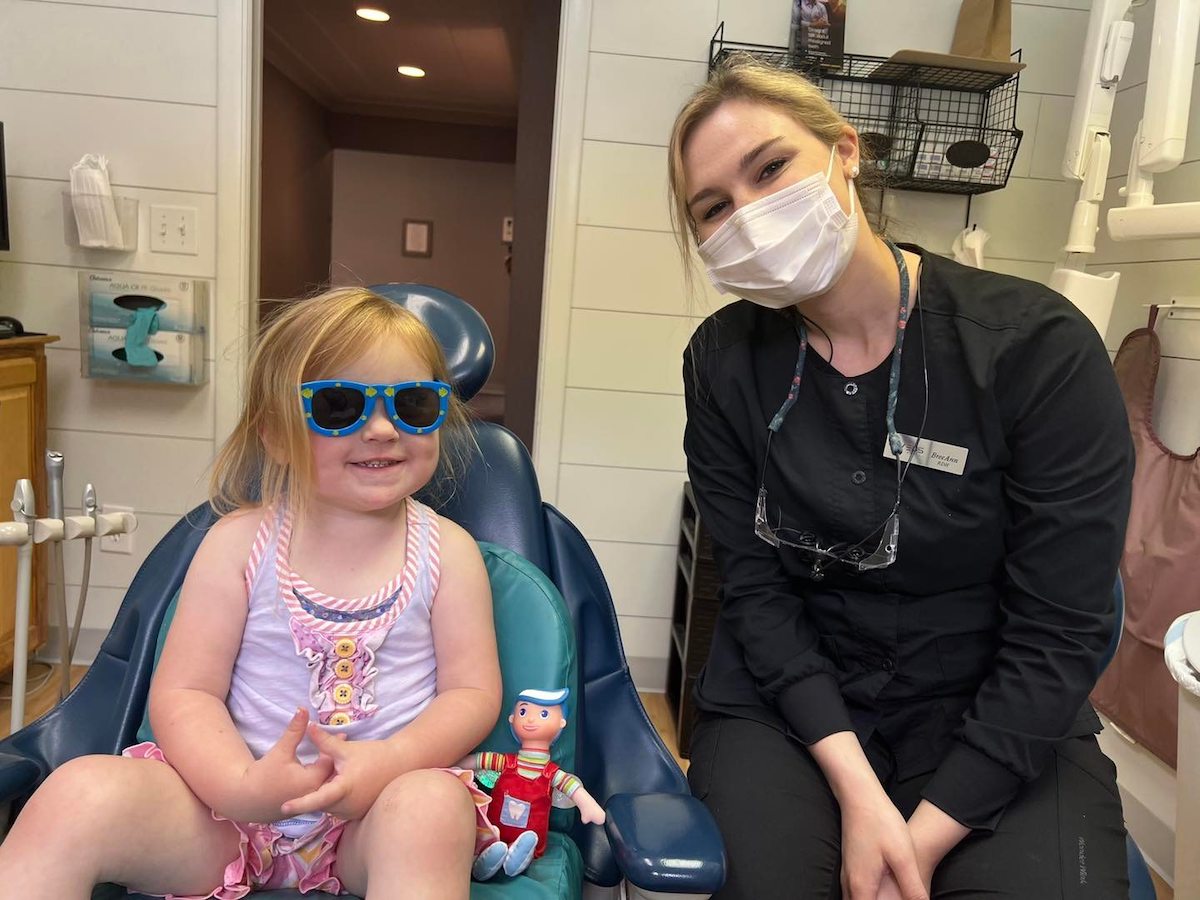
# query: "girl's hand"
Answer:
x=361 y=770
x=877 y=848
x=278 y=776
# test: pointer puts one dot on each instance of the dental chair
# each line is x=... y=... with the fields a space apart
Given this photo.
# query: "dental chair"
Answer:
x=555 y=625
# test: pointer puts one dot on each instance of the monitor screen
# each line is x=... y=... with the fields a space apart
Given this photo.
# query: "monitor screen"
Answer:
x=3 y=196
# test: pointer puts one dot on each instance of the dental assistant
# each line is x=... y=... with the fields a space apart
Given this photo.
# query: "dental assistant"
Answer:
x=916 y=476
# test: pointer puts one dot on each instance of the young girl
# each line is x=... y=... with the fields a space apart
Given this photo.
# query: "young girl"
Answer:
x=301 y=711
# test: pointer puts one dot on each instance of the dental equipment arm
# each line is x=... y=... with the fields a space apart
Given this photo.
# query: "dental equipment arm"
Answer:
x=54 y=508
x=1161 y=137
x=89 y=512
x=20 y=532
x=1086 y=158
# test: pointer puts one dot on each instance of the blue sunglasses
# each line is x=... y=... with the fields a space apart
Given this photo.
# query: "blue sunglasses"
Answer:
x=339 y=408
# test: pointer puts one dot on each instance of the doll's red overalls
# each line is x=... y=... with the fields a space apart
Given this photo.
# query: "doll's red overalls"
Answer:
x=522 y=804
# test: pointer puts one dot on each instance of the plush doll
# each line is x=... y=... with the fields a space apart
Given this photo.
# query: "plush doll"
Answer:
x=528 y=782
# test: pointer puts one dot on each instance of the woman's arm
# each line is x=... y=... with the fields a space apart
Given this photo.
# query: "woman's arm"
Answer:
x=1067 y=492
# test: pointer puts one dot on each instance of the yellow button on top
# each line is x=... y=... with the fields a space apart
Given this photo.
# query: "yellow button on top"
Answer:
x=342 y=693
x=344 y=669
x=345 y=647
x=339 y=718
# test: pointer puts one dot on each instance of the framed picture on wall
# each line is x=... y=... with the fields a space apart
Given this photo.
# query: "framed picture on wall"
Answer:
x=418 y=237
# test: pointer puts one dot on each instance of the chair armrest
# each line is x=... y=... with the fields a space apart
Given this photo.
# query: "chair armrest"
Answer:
x=18 y=776
x=666 y=843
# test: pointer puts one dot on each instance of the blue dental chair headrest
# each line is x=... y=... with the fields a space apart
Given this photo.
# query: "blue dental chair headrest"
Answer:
x=458 y=327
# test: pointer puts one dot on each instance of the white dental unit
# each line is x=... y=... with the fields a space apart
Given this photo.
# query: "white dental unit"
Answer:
x=25 y=530
x=1158 y=147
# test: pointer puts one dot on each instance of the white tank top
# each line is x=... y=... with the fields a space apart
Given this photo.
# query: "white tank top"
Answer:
x=363 y=667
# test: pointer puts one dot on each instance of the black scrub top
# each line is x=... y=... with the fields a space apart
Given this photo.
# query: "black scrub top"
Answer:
x=974 y=653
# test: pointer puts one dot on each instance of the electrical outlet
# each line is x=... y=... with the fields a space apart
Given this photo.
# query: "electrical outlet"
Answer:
x=116 y=543
x=173 y=230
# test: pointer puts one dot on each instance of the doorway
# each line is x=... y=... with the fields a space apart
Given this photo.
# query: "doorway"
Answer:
x=398 y=140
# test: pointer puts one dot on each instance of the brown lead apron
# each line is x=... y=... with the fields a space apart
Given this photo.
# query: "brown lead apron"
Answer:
x=1161 y=563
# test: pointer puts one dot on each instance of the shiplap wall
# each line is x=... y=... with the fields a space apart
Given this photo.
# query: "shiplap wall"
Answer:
x=611 y=415
x=152 y=110
x=1153 y=272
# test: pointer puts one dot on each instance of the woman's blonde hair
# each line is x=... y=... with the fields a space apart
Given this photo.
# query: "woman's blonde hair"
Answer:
x=267 y=458
x=742 y=77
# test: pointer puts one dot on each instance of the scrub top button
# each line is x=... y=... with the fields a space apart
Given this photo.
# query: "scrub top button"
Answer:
x=859 y=477
x=851 y=388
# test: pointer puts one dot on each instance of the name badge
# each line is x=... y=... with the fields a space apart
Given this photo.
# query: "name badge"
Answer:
x=930 y=454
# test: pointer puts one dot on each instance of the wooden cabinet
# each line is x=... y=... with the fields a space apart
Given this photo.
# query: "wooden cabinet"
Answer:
x=22 y=455
x=693 y=618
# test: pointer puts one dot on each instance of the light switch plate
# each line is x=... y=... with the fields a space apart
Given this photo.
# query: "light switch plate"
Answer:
x=173 y=229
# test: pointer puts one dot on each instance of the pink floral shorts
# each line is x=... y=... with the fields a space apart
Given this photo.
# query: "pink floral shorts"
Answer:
x=268 y=859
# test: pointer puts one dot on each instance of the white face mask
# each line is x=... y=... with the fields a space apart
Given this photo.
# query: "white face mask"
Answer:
x=784 y=248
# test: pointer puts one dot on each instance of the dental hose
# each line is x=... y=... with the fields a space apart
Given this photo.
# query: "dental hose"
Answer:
x=54 y=484
x=89 y=509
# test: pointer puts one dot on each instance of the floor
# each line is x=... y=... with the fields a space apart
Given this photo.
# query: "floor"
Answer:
x=660 y=715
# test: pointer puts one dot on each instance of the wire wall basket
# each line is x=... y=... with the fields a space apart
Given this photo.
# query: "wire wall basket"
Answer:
x=924 y=127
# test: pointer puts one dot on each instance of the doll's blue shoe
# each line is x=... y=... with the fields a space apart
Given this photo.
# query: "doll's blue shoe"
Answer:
x=520 y=853
x=489 y=861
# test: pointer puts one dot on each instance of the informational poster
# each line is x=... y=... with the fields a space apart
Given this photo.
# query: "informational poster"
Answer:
x=819 y=29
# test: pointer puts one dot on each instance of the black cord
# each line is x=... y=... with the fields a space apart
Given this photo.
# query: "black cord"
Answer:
x=807 y=321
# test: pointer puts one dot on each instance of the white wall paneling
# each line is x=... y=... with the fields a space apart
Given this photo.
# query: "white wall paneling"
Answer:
x=665 y=29
x=108 y=51
x=593 y=433
x=628 y=352
x=660 y=85
x=48 y=133
x=641 y=577
x=35 y=212
x=624 y=186
x=618 y=504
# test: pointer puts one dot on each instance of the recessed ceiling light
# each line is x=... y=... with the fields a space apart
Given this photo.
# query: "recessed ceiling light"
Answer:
x=411 y=71
x=371 y=14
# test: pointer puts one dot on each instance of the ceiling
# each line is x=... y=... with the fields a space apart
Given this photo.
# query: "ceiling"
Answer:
x=469 y=50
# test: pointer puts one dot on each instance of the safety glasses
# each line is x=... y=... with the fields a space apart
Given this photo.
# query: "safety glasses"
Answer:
x=862 y=555
x=339 y=408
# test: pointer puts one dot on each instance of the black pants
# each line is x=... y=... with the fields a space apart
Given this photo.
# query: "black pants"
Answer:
x=1062 y=838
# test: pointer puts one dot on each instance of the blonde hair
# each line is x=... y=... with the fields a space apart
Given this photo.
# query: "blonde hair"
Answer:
x=742 y=77
x=267 y=458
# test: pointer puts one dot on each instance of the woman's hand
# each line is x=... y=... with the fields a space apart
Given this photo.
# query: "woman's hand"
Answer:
x=877 y=849
x=361 y=770
x=268 y=783
x=934 y=834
